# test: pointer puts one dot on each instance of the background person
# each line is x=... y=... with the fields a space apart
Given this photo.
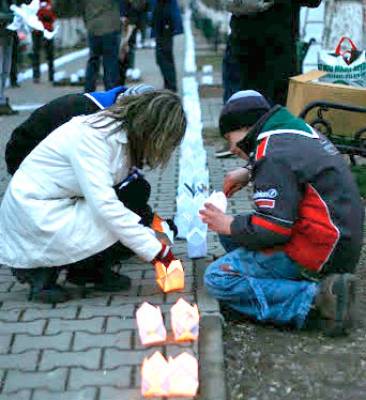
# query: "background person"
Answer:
x=293 y=257
x=6 y=43
x=166 y=23
x=61 y=208
x=102 y=20
x=47 y=118
x=48 y=17
x=264 y=45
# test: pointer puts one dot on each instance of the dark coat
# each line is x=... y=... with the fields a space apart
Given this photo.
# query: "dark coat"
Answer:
x=265 y=46
x=49 y=117
x=166 y=18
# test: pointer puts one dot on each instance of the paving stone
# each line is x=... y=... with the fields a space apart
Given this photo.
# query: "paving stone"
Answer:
x=137 y=300
x=20 y=395
x=84 y=394
x=115 y=324
x=115 y=358
x=63 y=313
x=25 y=362
x=88 y=301
x=119 y=377
x=5 y=341
x=53 y=380
x=89 y=359
x=14 y=301
x=108 y=393
x=34 y=328
x=123 y=311
x=93 y=325
x=176 y=349
x=121 y=340
x=59 y=342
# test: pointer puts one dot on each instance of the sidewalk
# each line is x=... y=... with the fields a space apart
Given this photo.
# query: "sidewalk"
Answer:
x=88 y=348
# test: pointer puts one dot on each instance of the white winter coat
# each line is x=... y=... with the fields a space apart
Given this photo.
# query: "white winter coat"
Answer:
x=60 y=206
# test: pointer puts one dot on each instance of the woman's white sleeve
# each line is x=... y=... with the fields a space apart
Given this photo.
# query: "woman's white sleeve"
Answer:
x=89 y=158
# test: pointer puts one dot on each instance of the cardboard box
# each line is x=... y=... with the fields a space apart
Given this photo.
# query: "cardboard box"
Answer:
x=303 y=90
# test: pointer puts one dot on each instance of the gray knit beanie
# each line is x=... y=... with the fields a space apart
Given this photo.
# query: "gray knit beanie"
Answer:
x=244 y=108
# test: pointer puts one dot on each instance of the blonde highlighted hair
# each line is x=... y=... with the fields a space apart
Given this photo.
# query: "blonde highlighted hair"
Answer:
x=155 y=123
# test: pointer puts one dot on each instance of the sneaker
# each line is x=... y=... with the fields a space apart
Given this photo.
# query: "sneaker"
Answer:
x=104 y=280
x=224 y=152
x=335 y=303
x=51 y=294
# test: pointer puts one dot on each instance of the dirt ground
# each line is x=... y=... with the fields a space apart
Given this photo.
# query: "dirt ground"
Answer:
x=264 y=362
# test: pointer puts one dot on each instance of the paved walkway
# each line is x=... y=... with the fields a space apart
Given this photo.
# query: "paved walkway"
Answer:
x=88 y=348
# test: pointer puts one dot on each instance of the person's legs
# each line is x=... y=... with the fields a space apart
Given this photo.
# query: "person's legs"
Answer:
x=110 y=60
x=165 y=60
x=5 y=62
x=42 y=282
x=132 y=49
x=14 y=61
x=49 y=45
x=37 y=43
x=230 y=73
x=263 y=287
x=97 y=269
x=93 y=64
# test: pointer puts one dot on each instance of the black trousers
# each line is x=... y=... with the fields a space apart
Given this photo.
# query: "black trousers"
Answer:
x=14 y=60
x=165 y=60
x=38 y=42
x=134 y=196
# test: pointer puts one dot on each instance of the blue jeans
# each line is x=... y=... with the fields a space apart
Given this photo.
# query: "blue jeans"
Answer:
x=266 y=287
x=104 y=47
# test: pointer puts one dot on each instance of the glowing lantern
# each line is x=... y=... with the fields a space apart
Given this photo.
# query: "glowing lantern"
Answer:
x=177 y=377
x=183 y=376
x=155 y=376
x=171 y=278
x=162 y=230
x=184 y=321
x=150 y=324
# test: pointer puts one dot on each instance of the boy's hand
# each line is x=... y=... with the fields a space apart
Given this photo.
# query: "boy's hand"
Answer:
x=236 y=180
x=216 y=220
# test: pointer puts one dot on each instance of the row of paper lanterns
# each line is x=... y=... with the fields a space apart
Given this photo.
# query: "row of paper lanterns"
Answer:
x=175 y=376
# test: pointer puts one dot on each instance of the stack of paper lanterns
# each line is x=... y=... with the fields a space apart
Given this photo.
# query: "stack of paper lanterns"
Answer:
x=193 y=181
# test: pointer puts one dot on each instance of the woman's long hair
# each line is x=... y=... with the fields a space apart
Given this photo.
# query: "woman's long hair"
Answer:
x=155 y=123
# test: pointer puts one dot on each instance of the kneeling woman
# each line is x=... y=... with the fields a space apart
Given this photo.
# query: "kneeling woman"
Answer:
x=61 y=206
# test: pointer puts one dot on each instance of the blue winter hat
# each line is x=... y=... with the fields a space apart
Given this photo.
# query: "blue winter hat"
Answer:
x=244 y=108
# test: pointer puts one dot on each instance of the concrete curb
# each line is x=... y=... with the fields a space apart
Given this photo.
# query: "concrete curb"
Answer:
x=210 y=345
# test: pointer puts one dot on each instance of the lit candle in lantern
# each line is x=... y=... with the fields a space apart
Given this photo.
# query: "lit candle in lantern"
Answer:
x=171 y=278
x=183 y=376
x=155 y=376
x=184 y=321
x=150 y=324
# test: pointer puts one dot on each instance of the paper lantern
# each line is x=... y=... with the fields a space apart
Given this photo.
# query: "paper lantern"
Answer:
x=184 y=321
x=183 y=376
x=155 y=376
x=171 y=278
x=162 y=230
x=219 y=200
x=150 y=324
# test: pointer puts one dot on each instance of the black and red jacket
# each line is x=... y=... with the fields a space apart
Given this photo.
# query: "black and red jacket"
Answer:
x=306 y=201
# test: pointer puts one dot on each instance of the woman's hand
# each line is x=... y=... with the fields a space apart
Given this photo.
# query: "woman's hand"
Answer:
x=236 y=180
x=216 y=220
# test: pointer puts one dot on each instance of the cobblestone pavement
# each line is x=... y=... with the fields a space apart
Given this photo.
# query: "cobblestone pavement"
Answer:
x=87 y=348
